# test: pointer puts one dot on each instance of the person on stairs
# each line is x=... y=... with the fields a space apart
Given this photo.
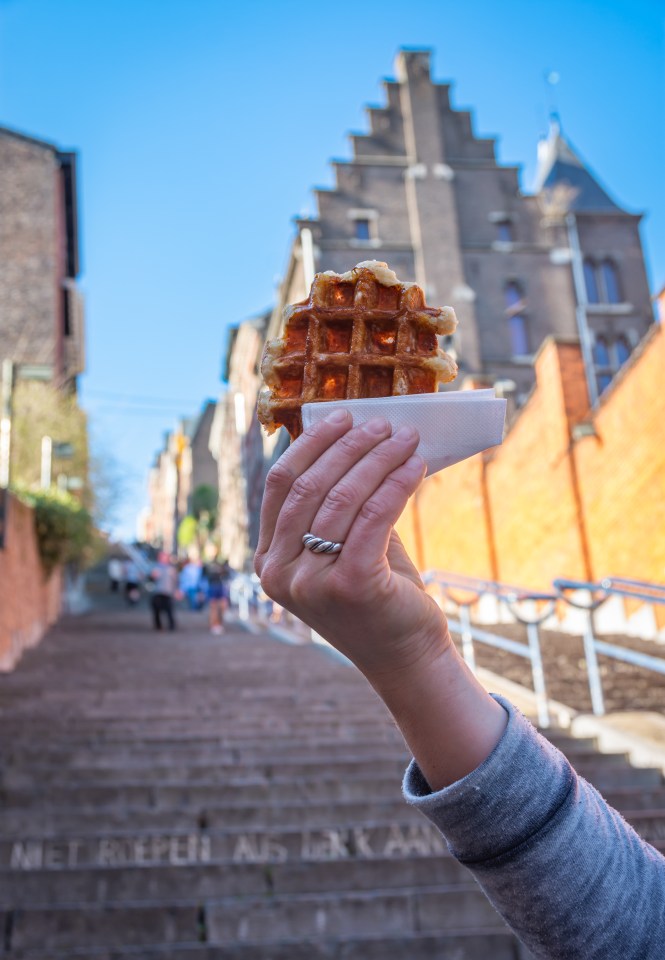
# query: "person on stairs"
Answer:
x=165 y=578
x=567 y=873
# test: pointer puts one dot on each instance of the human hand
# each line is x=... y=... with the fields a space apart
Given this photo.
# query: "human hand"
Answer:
x=351 y=484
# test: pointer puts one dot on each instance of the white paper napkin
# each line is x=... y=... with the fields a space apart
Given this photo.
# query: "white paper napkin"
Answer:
x=452 y=425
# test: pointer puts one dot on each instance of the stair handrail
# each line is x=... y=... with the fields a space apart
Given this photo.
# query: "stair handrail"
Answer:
x=643 y=590
x=598 y=593
x=474 y=588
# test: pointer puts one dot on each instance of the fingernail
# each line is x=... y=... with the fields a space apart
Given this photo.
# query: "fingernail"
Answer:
x=415 y=464
x=337 y=416
x=405 y=433
x=377 y=425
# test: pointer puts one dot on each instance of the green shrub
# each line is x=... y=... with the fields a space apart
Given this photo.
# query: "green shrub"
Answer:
x=65 y=531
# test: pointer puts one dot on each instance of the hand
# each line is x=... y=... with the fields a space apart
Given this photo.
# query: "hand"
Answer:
x=351 y=484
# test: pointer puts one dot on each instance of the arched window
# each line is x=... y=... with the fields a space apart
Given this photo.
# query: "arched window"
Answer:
x=590 y=281
x=513 y=295
x=517 y=325
x=610 y=282
x=622 y=348
x=601 y=353
x=519 y=341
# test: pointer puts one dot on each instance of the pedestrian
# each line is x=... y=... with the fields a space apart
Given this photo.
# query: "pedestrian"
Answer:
x=568 y=874
x=115 y=572
x=132 y=582
x=191 y=585
x=218 y=578
x=165 y=578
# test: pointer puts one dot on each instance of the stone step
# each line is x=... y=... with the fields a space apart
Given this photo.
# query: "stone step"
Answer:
x=337 y=768
x=499 y=945
x=391 y=838
x=380 y=912
x=196 y=751
x=253 y=789
x=215 y=817
x=178 y=882
x=348 y=767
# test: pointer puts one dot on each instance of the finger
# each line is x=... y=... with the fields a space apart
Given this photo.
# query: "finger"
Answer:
x=369 y=536
x=302 y=453
x=344 y=500
x=309 y=490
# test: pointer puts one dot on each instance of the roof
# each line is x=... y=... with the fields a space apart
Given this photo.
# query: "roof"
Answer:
x=37 y=141
x=560 y=165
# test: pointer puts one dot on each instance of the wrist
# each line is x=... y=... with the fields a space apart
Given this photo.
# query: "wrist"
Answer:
x=448 y=720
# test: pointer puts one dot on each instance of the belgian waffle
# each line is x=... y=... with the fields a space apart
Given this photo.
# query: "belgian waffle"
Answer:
x=358 y=334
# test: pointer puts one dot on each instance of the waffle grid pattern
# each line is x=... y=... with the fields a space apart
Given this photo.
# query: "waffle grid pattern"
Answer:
x=352 y=339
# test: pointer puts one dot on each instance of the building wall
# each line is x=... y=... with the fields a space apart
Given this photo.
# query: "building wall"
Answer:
x=28 y=251
x=546 y=504
x=29 y=603
x=41 y=311
x=434 y=194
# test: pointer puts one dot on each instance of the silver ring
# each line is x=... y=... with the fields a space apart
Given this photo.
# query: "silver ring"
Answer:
x=319 y=545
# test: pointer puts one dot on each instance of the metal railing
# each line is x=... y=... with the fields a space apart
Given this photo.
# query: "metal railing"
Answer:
x=531 y=609
x=593 y=595
x=465 y=592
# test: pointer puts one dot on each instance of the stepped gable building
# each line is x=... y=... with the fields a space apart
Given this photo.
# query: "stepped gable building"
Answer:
x=426 y=195
x=41 y=313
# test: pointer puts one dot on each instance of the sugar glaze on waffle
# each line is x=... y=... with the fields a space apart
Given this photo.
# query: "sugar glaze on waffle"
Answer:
x=358 y=334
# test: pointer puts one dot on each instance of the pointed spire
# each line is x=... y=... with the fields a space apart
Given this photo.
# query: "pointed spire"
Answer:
x=560 y=166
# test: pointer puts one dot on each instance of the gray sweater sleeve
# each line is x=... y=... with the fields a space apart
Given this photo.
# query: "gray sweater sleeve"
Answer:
x=564 y=869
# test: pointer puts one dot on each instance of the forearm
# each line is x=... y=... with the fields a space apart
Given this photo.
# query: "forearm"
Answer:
x=448 y=720
x=567 y=873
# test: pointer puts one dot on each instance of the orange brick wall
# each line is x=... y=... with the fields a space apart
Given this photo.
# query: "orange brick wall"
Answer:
x=623 y=472
x=29 y=603
x=549 y=506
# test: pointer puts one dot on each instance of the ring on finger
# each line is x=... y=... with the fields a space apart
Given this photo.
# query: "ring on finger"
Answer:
x=319 y=545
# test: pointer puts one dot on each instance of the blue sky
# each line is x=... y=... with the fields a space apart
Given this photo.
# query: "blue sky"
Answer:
x=202 y=125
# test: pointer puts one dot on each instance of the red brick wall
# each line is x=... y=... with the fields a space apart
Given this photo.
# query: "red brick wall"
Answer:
x=29 y=603
x=546 y=505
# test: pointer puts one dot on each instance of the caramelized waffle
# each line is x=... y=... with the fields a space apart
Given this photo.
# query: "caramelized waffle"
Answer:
x=358 y=334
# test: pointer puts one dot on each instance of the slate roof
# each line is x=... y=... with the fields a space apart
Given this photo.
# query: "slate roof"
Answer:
x=560 y=165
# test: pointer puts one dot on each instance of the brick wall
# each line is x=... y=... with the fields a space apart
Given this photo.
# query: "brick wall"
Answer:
x=545 y=505
x=29 y=603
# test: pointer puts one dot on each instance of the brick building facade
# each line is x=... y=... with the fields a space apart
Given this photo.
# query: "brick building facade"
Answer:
x=426 y=195
x=41 y=314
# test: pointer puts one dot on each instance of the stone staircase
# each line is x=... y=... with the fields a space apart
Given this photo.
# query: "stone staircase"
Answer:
x=186 y=796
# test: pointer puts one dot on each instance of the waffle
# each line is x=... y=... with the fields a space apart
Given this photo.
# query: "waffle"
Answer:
x=358 y=334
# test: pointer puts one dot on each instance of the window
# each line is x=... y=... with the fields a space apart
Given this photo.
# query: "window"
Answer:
x=601 y=353
x=609 y=355
x=622 y=350
x=601 y=281
x=362 y=229
x=517 y=325
x=610 y=282
x=519 y=342
x=590 y=281
x=513 y=295
x=504 y=231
